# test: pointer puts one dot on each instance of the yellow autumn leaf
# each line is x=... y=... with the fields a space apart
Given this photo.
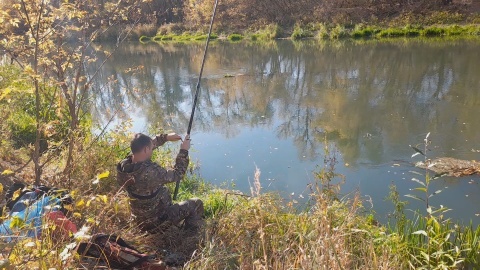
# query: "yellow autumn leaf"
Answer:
x=1 y=188
x=80 y=203
x=104 y=198
x=77 y=215
x=5 y=93
x=90 y=220
x=29 y=70
x=103 y=175
x=16 y=222
x=7 y=172
x=16 y=194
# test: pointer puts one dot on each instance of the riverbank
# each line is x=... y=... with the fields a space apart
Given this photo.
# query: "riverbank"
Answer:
x=246 y=231
x=323 y=32
x=324 y=20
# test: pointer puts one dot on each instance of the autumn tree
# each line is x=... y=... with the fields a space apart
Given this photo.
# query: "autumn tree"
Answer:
x=51 y=41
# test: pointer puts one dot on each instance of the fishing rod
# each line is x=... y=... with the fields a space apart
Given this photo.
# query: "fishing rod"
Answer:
x=177 y=184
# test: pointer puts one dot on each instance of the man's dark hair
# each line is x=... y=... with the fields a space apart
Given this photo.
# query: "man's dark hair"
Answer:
x=139 y=142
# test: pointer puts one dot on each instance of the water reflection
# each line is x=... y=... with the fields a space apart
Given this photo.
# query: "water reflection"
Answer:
x=372 y=99
x=369 y=98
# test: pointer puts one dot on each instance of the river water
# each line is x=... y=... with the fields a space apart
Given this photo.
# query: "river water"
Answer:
x=273 y=106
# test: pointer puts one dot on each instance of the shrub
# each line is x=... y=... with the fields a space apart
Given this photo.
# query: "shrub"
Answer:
x=361 y=31
x=157 y=38
x=322 y=32
x=145 y=39
x=338 y=31
x=473 y=30
x=300 y=33
x=392 y=32
x=455 y=30
x=235 y=37
x=23 y=129
x=272 y=31
x=255 y=37
x=167 y=37
x=412 y=30
x=432 y=31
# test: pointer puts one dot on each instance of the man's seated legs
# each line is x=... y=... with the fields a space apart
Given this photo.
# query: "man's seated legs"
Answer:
x=191 y=211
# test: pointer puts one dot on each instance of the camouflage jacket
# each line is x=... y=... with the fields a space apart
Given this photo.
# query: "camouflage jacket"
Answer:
x=145 y=183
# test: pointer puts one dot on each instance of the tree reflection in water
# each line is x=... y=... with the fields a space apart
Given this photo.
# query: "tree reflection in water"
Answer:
x=368 y=97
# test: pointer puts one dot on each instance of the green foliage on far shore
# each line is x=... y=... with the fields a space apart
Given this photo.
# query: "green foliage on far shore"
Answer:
x=235 y=37
x=184 y=37
x=377 y=32
x=335 y=32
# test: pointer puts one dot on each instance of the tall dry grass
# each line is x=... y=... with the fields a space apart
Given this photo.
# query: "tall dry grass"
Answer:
x=266 y=232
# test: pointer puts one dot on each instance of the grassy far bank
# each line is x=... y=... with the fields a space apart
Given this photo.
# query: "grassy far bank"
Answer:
x=435 y=24
x=323 y=32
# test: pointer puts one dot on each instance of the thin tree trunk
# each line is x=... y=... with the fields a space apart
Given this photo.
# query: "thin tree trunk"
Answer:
x=36 y=35
x=71 y=140
x=36 y=154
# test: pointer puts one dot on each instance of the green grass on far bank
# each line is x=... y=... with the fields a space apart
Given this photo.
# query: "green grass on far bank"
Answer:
x=324 y=32
x=186 y=36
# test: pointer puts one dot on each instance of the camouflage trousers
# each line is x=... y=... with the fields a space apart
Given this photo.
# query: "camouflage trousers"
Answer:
x=191 y=212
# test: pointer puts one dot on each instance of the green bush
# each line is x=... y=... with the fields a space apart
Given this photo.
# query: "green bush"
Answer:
x=361 y=31
x=255 y=37
x=473 y=30
x=23 y=129
x=412 y=30
x=204 y=37
x=300 y=33
x=338 y=32
x=322 y=32
x=432 y=31
x=157 y=38
x=167 y=37
x=145 y=39
x=392 y=32
x=455 y=30
x=272 y=31
x=235 y=37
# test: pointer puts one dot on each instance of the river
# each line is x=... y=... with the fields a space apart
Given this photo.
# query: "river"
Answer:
x=273 y=106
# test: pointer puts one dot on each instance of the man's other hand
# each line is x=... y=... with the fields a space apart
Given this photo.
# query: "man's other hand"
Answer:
x=173 y=137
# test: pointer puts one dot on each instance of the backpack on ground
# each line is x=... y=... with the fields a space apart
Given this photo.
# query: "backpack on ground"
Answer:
x=117 y=253
x=19 y=196
x=27 y=207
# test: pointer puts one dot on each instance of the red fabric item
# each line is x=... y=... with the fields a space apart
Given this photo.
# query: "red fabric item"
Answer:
x=62 y=222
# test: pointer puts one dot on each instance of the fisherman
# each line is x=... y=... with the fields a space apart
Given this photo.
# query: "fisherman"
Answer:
x=150 y=200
